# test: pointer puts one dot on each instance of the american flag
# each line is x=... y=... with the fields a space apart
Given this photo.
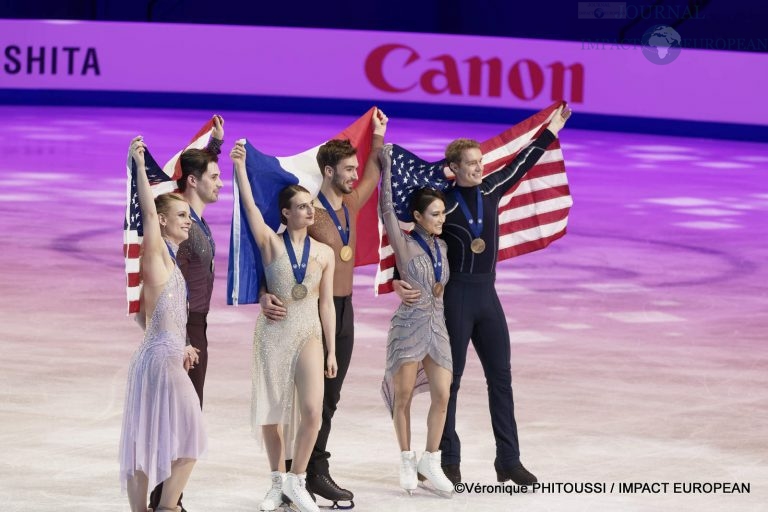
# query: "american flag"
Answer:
x=162 y=180
x=268 y=175
x=532 y=214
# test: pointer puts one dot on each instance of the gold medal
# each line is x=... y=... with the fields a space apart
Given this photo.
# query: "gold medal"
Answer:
x=478 y=245
x=345 y=253
x=299 y=291
x=437 y=289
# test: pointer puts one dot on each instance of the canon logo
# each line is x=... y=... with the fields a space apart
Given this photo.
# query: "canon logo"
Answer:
x=398 y=68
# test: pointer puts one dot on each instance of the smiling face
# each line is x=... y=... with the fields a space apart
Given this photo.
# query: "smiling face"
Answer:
x=469 y=170
x=344 y=175
x=174 y=218
x=432 y=218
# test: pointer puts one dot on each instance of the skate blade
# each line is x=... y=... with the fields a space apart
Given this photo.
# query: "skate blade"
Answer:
x=288 y=506
x=335 y=506
x=427 y=486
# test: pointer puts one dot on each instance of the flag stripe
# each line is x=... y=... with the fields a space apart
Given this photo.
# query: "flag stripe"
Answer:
x=547 y=194
x=530 y=246
x=535 y=207
x=131 y=250
x=520 y=228
x=134 y=279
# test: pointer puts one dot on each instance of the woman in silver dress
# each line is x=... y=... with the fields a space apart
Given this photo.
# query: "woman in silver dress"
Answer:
x=418 y=349
x=287 y=398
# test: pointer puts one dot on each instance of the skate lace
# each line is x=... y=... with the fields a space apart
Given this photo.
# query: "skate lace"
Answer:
x=330 y=482
x=437 y=476
x=434 y=466
x=275 y=492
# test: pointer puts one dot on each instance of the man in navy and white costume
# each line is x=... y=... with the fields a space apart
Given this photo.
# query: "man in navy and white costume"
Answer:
x=472 y=307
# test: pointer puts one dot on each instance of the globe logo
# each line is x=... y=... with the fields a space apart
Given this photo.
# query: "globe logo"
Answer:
x=661 y=44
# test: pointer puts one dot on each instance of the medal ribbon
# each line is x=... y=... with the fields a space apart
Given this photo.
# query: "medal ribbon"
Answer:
x=344 y=233
x=437 y=263
x=206 y=230
x=475 y=225
x=170 y=251
x=299 y=271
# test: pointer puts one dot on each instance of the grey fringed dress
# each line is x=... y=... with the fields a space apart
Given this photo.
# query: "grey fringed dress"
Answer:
x=417 y=330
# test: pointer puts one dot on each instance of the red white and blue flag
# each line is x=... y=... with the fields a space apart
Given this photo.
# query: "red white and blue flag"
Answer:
x=162 y=180
x=268 y=175
x=532 y=214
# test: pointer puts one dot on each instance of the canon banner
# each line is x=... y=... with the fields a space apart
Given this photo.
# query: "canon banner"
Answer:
x=597 y=78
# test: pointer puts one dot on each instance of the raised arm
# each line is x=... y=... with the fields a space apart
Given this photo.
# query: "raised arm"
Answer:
x=154 y=249
x=217 y=135
x=372 y=171
x=501 y=181
x=263 y=234
x=559 y=118
x=395 y=235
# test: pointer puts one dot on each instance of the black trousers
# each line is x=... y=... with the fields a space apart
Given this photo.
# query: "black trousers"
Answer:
x=473 y=311
x=345 y=340
x=197 y=331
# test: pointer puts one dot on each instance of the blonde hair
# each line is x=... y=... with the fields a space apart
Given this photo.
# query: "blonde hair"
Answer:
x=456 y=148
x=163 y=201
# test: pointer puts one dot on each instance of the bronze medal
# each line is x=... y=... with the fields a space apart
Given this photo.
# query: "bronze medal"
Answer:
x=478 y=245
x=437 y=289
x=299 y=291
x=345 y=253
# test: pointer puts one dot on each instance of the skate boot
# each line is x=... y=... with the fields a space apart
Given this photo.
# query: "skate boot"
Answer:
x=517 y=474
x=323 y=485
x=436 y=481
x=288 y=503
x=453 y=472
x=154 y=499
x=295 y=490
x=408 y=480
x=273 y=499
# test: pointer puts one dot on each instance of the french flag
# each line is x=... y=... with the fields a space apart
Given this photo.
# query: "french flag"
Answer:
x=268 y=175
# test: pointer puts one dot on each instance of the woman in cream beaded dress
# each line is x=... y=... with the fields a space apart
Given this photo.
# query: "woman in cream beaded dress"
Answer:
x=162 y=434
x=287 y=398
x=418 y=349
